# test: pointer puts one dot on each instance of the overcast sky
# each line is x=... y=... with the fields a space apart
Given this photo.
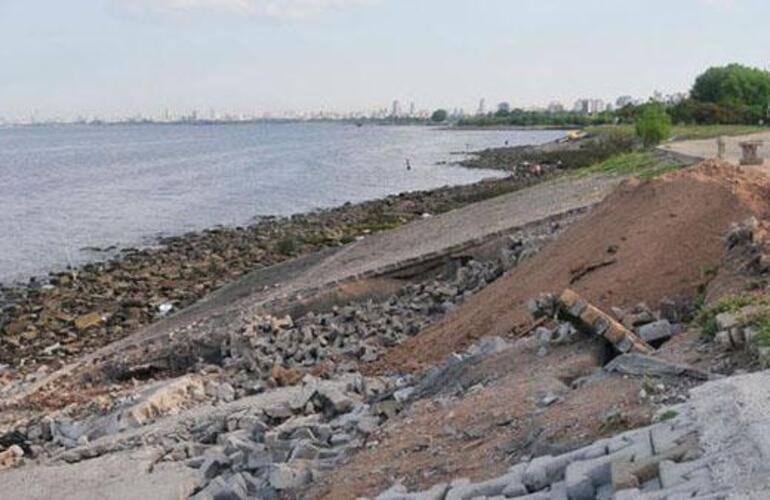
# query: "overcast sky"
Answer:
x=117 y=57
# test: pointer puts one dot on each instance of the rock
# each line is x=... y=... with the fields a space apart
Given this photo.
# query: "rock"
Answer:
x=565 y=333
x=726 y=321
x=285 y=377
x=399 y=492
x=724 y=339
x=281 y=323
x=164 y=398
x=87 y=321
x=656 y=331
x=543 y=336
x=334 y=401
x=548 y=400
x=542 y=307
x=214 y=462
x=304 y=450
x=402 y=395
x=635 y=319
x=488 y=346
x=225 y=392
x=488 y=488
x=11 y=457
x=284 y=477
x=279 y=411
x=340 y=439
x=165 y=308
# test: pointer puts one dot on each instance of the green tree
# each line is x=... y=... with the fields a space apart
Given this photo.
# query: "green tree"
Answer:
x=733 y=85
x=653 y=125
x=438 y=116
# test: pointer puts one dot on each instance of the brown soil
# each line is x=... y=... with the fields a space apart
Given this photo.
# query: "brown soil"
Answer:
x=649 y=240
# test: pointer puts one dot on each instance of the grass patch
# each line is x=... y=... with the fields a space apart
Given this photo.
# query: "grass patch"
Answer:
x=287 y=246
x=688 y=132
x=684 y=132
x=643 y=164
x=668 y=415
x=762 y=337
x=376 y=225
x=707 y=317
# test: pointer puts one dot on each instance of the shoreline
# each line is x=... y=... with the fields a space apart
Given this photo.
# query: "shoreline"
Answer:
x=81 y=308
x=466 y=128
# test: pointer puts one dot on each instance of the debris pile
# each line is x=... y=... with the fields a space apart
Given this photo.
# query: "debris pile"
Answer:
x=692 y=451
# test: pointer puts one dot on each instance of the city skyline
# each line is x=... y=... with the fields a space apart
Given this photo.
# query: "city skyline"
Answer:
x=585 y=105
x=123 y=58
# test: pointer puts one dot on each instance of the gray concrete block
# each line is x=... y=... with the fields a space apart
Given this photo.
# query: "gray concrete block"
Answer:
x=665 y=437
x=628 y=495
x=656 y=331
x=578 y=478
x=559 y=491
x=535 y=477
x=515 y=489
x=491 y=487
x=631 y=445
x=604 y=492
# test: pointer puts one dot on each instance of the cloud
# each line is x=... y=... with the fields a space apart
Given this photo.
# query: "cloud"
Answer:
x=282 y=9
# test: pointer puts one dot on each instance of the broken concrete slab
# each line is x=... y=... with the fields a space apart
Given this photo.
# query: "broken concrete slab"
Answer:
x=118 y=476
x=164 y=398
x=591 y=319
x=639 y=365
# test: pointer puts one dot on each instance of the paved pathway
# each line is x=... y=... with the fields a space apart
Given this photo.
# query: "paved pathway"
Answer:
x=707 y=148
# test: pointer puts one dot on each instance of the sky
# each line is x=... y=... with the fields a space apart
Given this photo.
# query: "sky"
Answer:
x=127 y=57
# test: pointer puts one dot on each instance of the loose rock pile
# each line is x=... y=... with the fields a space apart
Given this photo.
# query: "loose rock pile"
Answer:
x=631 y=331
x=278 y=350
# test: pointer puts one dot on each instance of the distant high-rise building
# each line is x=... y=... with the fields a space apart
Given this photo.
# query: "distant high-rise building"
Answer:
x=589 y=106
x=555 y=107
x=482 y=107
x=623 y=101
x=395 y=112
x=412 y=109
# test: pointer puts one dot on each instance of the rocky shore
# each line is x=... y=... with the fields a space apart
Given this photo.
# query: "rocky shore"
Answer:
x=51 y=319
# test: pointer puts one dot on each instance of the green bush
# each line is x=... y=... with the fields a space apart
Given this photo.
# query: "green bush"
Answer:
x=439 y=116
x=287 y=246
x=653 y=126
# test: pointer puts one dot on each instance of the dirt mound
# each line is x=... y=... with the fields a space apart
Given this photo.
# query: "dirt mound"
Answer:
x=649 y=240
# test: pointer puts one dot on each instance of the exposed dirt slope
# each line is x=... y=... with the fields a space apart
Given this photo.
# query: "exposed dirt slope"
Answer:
x=649 y=240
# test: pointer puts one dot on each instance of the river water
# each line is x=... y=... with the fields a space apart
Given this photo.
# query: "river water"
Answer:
x=66 y=189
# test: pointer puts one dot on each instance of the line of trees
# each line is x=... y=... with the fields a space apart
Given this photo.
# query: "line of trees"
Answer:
x=732 y=94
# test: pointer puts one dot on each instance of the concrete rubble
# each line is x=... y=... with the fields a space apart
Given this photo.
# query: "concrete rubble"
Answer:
x=715 y=446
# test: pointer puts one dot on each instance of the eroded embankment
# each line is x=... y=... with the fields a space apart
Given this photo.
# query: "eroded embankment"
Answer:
x=650 y=240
